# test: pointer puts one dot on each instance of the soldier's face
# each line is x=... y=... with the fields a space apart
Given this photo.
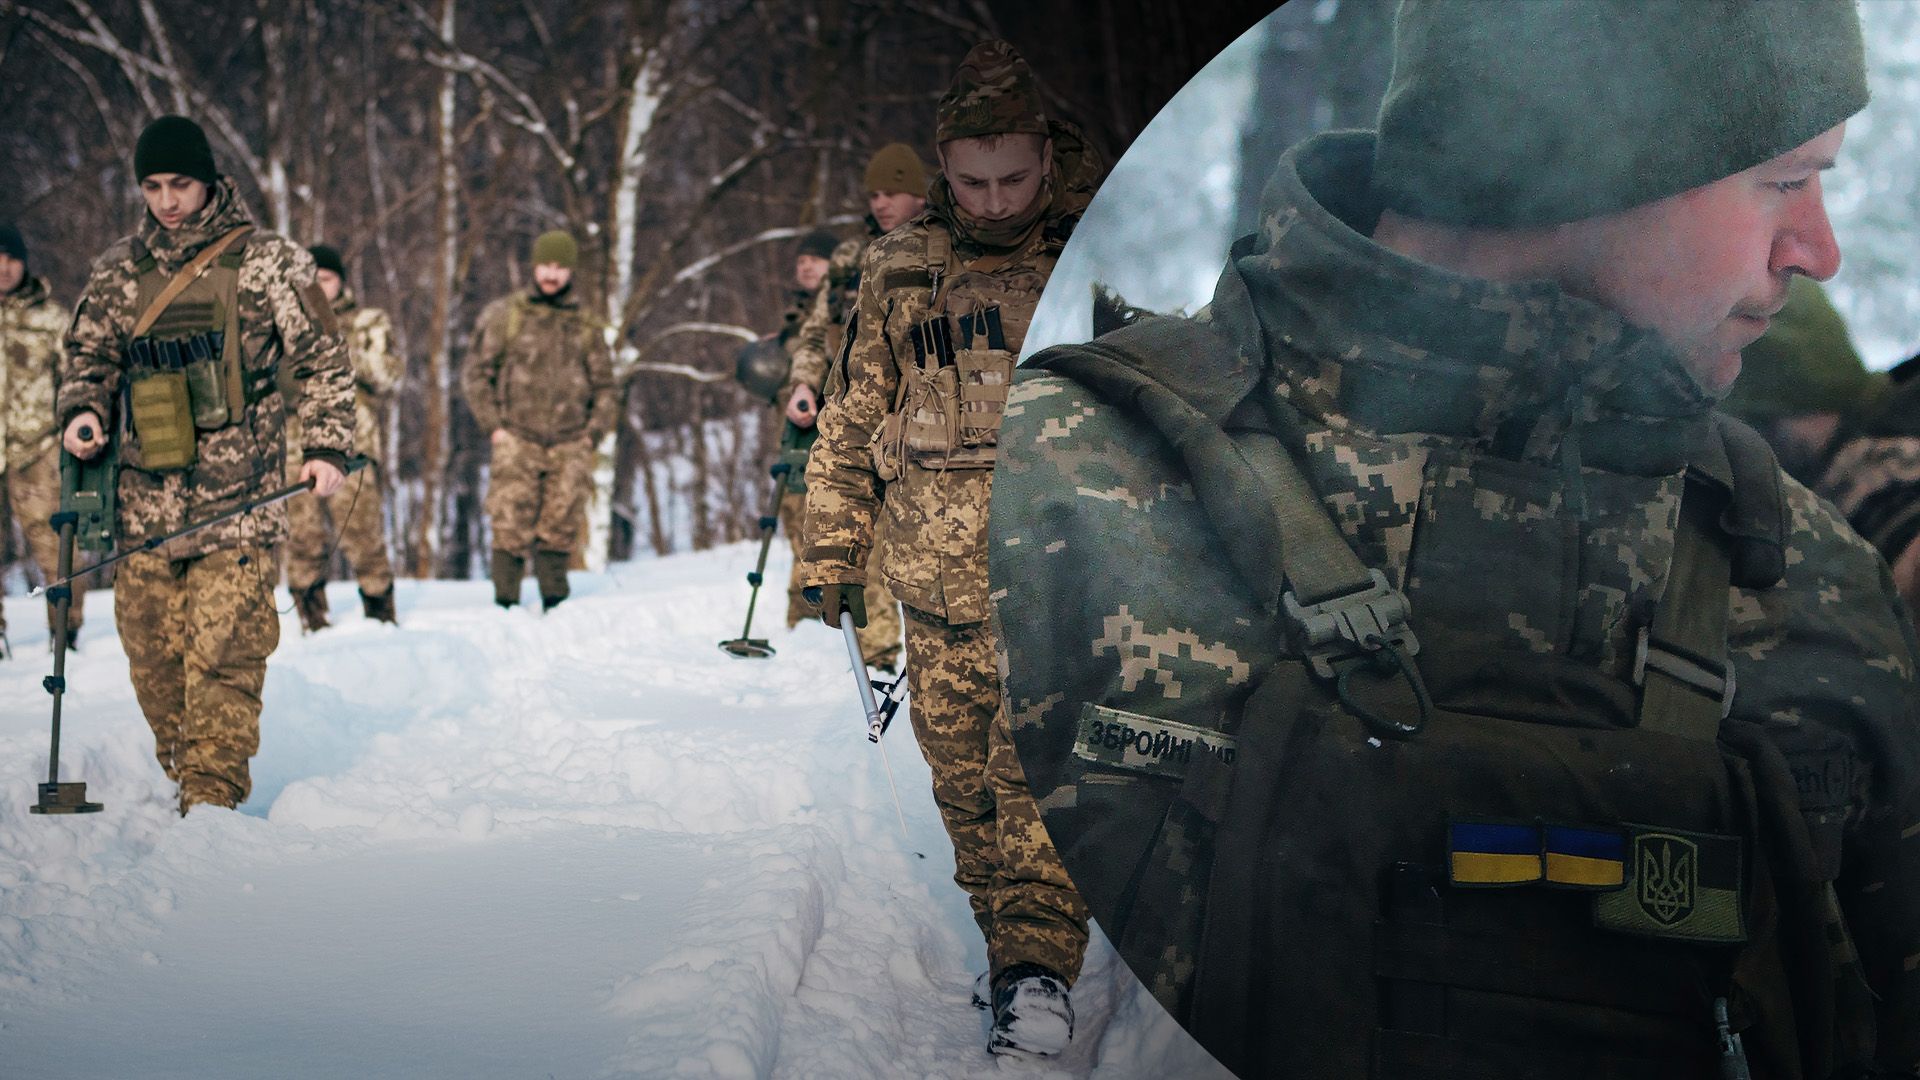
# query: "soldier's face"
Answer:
x=330 y=283
x=1000 y=181
x=172 y=198
x=551 y=277
x=809 y=271
x=1708 y=268
x=894 y=208
x=12 y=273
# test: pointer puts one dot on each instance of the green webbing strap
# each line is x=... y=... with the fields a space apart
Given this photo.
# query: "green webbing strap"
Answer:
x=1682 y=664
x=1319 y=563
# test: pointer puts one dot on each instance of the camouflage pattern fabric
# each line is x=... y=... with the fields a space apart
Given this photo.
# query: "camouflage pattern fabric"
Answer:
x=820 y=334
x=376 y=372
x=30 y=328
x=284 y=322
x=880 y=638
x=356 y=511
x=30 y=491
x=992 y=94
x=1875 y=481
x=198 y=632
x=1024 y=904
x=932 y=521
x=552 y=383
x=1436 y=418
x=537 y=493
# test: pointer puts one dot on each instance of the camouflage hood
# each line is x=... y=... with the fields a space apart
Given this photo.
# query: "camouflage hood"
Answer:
x=1077 y=169
x=1513 y=367
x=171 y=248
x=345 y=305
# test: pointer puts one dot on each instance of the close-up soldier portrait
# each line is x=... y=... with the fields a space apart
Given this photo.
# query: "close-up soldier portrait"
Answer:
x=1418 y=675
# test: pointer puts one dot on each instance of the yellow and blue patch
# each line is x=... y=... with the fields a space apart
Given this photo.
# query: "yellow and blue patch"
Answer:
x=1491 y=854
x=1584 y=858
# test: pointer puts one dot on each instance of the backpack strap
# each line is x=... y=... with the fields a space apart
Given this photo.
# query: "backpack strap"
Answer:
x=187 y=275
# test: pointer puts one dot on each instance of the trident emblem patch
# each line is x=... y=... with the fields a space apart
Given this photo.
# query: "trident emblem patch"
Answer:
x=1667 y=870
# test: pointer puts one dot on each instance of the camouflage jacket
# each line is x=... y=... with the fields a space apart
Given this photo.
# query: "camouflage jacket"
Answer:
x=819 y=336
x=30 y=328
x=284 y=322
x=933 y=522
x=539 y=367
x=1439 y=419
x=376 y=371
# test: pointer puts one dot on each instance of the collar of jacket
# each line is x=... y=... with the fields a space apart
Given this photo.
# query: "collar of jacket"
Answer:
x=564 y=299
x=31 y=290
x=1358 y=336
x=345 y=303
x=171 y=248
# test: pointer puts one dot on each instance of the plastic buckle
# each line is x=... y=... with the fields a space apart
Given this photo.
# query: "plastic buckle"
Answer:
x=1353 y=626
x=1712 y=680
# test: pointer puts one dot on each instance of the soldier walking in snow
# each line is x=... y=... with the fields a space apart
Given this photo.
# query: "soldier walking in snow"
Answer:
x=356 y=509
x=540 y=381
x=178 y=342
x=944 y=304
x=30 y=328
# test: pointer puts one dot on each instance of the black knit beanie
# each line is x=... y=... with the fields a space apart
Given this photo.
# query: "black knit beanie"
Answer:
x=174 y=144
x=11 y=242
x=1521 y=113
x=327 y=258
x=818 y=242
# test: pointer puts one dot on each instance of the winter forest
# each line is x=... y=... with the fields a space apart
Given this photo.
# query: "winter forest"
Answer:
x=686 y=143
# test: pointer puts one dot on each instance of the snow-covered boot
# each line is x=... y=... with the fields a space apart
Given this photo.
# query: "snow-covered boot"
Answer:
x=1032 y=1014
x=312 y=605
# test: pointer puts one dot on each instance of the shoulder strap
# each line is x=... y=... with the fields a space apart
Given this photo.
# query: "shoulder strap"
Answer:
x=186 y=277
x=1681 y=662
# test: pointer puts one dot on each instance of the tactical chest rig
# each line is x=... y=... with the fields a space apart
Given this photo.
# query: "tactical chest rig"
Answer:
x=1431 y=857
x=953 y=392
x=184 y=371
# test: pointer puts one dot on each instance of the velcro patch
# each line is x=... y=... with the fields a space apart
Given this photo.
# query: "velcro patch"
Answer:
x=1585 y=858
x=909 y=278
x=1492 y=854
x=1143 y=744
x=1680 y=885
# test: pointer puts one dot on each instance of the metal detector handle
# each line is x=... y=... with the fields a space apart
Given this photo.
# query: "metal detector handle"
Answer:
x=876 y=721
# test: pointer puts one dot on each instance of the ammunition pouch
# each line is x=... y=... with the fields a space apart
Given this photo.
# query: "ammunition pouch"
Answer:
x=953 y=397
x=184 y=371
x=160 y=412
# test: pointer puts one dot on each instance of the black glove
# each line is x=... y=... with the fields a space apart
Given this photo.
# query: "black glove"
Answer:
x=833 y=598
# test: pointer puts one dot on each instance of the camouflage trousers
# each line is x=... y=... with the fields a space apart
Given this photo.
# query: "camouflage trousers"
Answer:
x=198 y=633
x=538 y=494
x=1022 y=899
x=356 y=511
x=30 y=491
x=880 y=638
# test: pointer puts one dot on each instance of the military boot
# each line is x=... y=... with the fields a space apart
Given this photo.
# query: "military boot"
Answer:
x=380 y=607
x=1032 y=1014
x=550 y=570
x=312 y=605
x=508 y=569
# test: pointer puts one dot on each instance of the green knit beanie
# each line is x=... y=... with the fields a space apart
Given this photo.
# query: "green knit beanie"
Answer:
x=1522 y=113
x=174 y=144
x=1805 y=363
x=556 y=247
x=896 y=168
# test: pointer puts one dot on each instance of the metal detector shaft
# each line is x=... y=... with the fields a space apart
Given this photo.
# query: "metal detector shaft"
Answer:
x=56 y=797
x=768 y=522
x=876 y=721
x=354 y=464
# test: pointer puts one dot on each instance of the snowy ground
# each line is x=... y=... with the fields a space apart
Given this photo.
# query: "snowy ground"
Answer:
x=488 y=844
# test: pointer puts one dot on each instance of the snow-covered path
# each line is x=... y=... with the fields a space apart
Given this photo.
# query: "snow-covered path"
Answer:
x=489 y=844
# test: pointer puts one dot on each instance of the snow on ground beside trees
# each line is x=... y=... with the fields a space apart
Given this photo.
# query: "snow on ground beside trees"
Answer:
x=491 y=844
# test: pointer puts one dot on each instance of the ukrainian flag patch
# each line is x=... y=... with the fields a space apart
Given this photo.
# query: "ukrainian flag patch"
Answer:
x=1490 y=854
x=1585 y=858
